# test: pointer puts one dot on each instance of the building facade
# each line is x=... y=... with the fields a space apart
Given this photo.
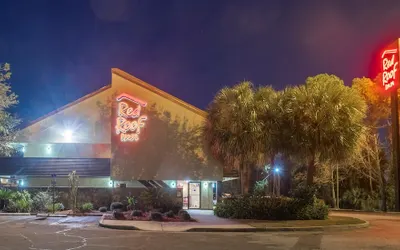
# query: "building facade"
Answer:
x=128 y=134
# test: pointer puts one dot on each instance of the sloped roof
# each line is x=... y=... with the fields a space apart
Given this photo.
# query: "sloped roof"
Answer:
x=133 y=80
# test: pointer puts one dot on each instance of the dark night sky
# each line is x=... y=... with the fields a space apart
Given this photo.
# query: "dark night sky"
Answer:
x=62 y=50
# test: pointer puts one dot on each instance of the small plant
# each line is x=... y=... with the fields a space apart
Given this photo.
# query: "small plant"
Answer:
x=185 y=216
x=116 y=205
x=20 y=202
x=103 y=209
x=136 y=213
x=87 y=207
x=73 y=179
x=131 y=202
x=169 y=214
x=118 y=215
x=156 y=216
x=41 y=201
x=57 y=207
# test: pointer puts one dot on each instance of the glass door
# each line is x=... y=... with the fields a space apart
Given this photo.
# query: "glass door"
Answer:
x=194 y=195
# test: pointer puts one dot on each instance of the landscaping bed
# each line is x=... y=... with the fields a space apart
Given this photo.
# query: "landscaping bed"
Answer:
x=147 y=216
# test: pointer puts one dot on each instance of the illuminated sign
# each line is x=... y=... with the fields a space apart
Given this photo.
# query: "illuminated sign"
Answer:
x=390 y=67
x=129 y=120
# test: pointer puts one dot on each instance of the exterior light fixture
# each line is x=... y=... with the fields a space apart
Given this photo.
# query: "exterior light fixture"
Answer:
x=173 y=184
x=277 y=170
x=213 y=184
x=21 y=183
x=67 y=135
x=205 y=184
x=23 y=149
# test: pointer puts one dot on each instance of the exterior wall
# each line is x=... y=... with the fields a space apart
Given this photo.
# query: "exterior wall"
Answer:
x=169 y=146
x=84 y=182
x=87 y=119
x=67 y=150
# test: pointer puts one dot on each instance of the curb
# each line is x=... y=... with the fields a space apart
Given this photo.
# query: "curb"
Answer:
x=250 y=230
x=15 y=214
x=120 y=227
x=284 y=229
x=365 y=212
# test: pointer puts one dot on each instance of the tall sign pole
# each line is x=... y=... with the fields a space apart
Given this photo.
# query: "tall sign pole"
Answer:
x=390 y=81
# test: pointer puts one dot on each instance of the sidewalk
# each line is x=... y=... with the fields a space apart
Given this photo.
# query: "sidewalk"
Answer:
x=207 y=222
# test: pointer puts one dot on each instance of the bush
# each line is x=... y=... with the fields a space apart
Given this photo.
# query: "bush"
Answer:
x=116 y=205
x=158 y=199
x=57 y=207
x=271 y=208
x=118 y=215
x=41 y=201
x=87 y=207
x=20 y=202
x=185 y=216
x=156 y=216
x=103 y=209
x=137 y=213
x=169 y=214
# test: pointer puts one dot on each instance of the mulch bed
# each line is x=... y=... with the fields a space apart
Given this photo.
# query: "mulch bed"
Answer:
x=146 y=217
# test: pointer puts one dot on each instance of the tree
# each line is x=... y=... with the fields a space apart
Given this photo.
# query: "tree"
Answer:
x=378 y=103
x=8 y=122
x=269 y=116
x=73 y=179
x=322 y=121
x=232 y=130
x=370 y=160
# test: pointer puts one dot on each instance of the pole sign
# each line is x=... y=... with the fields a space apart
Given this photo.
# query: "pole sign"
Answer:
x=390 y=67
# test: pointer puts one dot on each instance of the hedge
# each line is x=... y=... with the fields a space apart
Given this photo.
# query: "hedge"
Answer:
x=272 y=208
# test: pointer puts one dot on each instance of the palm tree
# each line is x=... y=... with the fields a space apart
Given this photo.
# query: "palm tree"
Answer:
x=232 y=130
x=269 y=114
x=321 y=121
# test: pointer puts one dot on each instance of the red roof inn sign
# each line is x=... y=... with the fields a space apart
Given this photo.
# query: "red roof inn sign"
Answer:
x=390 y=81
x=129 y=121
x=390 y=67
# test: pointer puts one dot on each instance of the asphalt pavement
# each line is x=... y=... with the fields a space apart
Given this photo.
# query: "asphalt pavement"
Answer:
x=27 y=232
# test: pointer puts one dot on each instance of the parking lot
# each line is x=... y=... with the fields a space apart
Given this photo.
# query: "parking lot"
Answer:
x=70 y=233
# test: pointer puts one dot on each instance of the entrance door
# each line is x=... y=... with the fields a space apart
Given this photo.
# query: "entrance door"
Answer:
x=194 y=195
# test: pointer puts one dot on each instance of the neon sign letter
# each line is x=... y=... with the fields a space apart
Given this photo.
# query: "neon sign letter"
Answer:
x=129 y=122
x=390 y=71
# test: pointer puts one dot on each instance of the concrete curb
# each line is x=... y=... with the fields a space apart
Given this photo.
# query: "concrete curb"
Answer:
x=15 y=214
x=249 y=230
x=364 y=212
x=120 y=227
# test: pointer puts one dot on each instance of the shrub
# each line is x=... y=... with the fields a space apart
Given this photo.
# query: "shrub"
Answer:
x=5 y=195
x=158 y=199
x=20 y=202
x=41 y=201
x=116 y=205
x=57 y=207
x=169 y=214
x=137 y=213
x=118 y=215
x=87 y=207
x=271 y=208
x=156 y=216
x=185 y=216
x=103 y=209
x=182 y=211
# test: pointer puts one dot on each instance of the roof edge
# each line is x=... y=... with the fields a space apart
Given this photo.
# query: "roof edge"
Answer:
x=158 y=91
x=68 y=105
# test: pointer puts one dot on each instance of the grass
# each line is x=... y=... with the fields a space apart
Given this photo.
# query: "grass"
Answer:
x=332 y=220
